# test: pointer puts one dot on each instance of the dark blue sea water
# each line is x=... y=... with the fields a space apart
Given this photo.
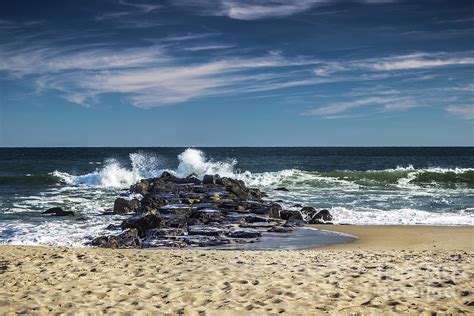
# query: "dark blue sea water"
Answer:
x=431 y=186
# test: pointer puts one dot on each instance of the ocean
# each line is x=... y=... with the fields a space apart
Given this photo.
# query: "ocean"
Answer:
x=385 y=186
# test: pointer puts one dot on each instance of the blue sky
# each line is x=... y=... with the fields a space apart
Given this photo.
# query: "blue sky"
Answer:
x=236 y=73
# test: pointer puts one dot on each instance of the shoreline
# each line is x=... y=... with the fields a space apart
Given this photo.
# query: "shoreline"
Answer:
x=368 y=276
x=403 y=237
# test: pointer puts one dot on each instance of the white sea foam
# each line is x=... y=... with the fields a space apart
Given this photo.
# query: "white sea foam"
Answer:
x=405 y=216
x=193 y=161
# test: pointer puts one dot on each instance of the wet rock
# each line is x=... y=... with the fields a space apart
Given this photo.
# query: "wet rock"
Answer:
x=245 y=233
x=210 y=179
x=127 y=239
x=205 y=241
x=272 y=210
x=264 y=225
x=142 y=222
x=206 y=230
x=308 y=213
x=179 y=212
x=141 y=187
x=280 y=229
x=124 y=206
x=193 y=179
x=162 y=243
x=291 y=215
x=282 y=189
x=294 y=223
x=58 y=211
x=113 y=227
x=150 y=203
x=322 y=217
x=256 y=219
x=164 y=232
x=206 y=215
x=239 y=190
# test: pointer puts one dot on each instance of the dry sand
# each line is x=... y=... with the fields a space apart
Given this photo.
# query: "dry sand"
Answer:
x=388 y=270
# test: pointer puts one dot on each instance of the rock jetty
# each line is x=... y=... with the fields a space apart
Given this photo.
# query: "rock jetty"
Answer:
x=214 y=211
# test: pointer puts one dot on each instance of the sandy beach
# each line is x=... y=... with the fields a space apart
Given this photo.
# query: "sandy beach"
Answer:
x=388 y=270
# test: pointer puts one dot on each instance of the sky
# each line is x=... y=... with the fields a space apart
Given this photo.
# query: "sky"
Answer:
x=236 y=73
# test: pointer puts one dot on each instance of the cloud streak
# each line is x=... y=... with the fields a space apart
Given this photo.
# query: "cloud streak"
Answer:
x=385 y=104
x=466 y=112
x=261 y=9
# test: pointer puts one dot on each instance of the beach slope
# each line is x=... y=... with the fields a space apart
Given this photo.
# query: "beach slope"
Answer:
x=379 y=273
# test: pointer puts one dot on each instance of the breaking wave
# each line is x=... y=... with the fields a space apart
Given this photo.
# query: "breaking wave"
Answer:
x=193 y=161
x=114 y=174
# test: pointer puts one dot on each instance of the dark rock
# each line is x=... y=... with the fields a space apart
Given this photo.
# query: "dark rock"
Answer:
x=206 y=230
x=58 y=211
x=124 y=206
x=308 y=213
x=322 y=217
x=297 y=205
x=142 y=222
x=171 y=178
x=271 y=210
x=280 y=229
x=164 y=232
x=140 y=187
x=282 y=189
x=210 y=179
x=206 y=215
x=245 y=233
x=238 y=188
x=256 y=219
x=179 y=212
x=149 y=203
x=291 y=215
x=113 y=227
x=193 y=179
x=127 y=239
x=205 y=241
x=294 y=223
x=163 y=242
x=258 y=225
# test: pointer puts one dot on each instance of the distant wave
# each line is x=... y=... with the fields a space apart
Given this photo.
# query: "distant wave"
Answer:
x=30 y=180
x=401 y=177
x=193 y=161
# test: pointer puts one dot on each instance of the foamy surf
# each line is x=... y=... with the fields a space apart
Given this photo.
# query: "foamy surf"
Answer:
x=396 y=196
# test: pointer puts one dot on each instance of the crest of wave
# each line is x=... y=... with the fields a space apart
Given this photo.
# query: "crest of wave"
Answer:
x=113 y=174
x=194 y=161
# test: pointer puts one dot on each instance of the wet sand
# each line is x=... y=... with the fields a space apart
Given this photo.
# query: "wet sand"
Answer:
x=405 y=237
x=387 y=270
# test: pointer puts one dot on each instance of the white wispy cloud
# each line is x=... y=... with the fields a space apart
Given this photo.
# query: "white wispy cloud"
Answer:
x=385 y=104
x=418 y=61
x=463 y=111
x=170 y=71
x=209 y=47
x=260 y=9
x=144 y=7
x=41 y=59
x=111 y=15
x=397 y=63
x=188 y=37
x=147 y=76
